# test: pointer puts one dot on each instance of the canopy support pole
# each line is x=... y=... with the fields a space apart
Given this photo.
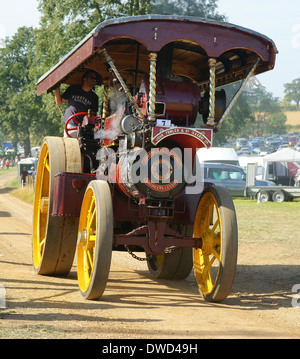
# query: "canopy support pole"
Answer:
x=152 y=88
x=212 y=91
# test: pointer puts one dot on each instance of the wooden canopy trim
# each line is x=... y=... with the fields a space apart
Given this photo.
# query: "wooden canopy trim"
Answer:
x=215 y=39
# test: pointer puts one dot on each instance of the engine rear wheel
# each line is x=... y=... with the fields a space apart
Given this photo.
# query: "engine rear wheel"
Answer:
x=54 y=238
x=174 y=265
x=215 y=263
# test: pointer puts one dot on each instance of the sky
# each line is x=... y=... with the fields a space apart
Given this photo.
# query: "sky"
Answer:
x=280 y=21
x=277 y=19
x=17 y=13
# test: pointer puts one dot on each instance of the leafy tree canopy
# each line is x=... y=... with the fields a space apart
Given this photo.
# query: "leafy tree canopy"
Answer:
x=292 y=92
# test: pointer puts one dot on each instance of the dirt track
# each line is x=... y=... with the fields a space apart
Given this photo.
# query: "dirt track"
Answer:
x=134 y=305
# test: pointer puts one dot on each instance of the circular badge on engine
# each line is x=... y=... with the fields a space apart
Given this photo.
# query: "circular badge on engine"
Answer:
x=163 y=172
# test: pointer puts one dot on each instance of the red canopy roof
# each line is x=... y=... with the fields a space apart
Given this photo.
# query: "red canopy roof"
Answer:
x=195 y=40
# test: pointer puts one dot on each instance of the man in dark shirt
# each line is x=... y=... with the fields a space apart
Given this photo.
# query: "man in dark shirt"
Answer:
x=80 y=98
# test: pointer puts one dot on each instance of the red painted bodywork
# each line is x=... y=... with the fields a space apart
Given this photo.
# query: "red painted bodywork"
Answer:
x=69 y=190
x=181 y=100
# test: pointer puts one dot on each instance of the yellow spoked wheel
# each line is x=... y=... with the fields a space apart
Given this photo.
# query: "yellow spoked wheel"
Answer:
x=215 y=264
x=95 y=240
x=53 y=238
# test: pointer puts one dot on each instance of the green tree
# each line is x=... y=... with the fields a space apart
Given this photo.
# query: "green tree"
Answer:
x=292 y=91
x=239 y=120
x=137 y=7
x=19 y=113
x=269 y=118
x=198 y=8
x=276 y=123
x=255 y=114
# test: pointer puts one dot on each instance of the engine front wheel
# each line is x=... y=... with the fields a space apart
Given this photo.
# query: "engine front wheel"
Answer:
x=95 y=240
x=215 y=263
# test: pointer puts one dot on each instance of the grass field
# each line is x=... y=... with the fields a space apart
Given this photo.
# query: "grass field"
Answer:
x=259 y=219
x=268 y=232
x=25 y=194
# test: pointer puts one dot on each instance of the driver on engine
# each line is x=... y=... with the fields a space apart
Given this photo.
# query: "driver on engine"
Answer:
x=81 y=98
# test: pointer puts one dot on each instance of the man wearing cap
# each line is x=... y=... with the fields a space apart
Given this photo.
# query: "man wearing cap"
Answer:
x=81 y=98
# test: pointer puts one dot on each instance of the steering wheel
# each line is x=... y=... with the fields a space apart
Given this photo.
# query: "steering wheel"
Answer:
x=76 y=121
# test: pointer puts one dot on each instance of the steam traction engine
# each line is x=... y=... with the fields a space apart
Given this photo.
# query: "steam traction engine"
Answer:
x=130 y=180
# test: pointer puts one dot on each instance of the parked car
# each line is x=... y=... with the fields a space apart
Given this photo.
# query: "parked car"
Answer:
x=263 y=151
x=293 y=140
x=260 y=140
x=268 y=140
x=282 y=147
x=284 y=139
x=254 y=145
x=233 y=178
x=274 y=144
x=244 y=152
x=241 y=142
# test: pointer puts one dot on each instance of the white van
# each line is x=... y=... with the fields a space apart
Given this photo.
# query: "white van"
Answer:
x=218 y=155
